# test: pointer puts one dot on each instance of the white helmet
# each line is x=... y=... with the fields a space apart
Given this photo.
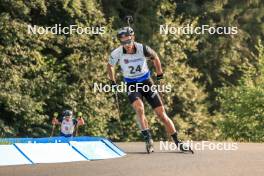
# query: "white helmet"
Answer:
x=125 y=31
x=67 y=113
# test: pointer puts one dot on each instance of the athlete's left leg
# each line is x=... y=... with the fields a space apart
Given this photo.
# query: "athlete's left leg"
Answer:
x=154 y=100
x=160 y=111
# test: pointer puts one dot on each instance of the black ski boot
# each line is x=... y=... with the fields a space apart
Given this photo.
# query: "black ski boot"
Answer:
x=181 y=145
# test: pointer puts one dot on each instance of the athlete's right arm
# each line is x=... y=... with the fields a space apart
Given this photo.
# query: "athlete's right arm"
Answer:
x=111 y=66
x=55 y=121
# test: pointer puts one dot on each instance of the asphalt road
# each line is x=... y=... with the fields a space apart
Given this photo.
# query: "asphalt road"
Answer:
x=247 y=160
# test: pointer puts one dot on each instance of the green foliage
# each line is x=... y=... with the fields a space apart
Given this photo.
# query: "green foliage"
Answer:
x=185 y=103
x=224 y=59
x=41 y=74
x=243 y=106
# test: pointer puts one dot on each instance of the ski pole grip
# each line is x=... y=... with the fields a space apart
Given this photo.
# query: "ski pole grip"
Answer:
x=129 y=19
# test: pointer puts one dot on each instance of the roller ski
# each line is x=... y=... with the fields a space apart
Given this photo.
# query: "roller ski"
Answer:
x=148 y=141
x=184 y=148
x=181 y=146
x=149 y=146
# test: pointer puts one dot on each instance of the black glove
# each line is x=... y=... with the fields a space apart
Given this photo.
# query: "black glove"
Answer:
x=159 y=77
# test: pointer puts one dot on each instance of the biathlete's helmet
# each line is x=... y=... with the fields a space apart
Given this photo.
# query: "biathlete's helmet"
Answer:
x=125 y=31
x=67 y=113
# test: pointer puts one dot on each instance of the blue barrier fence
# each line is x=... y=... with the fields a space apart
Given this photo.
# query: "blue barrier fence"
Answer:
x=57 y=139
x=38 y=150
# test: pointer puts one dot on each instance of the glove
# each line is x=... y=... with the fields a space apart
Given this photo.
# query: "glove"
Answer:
x=159 y=77
x=54 y=121
x=80 y=121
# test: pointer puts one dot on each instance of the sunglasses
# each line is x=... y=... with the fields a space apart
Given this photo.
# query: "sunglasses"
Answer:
x=127 y=42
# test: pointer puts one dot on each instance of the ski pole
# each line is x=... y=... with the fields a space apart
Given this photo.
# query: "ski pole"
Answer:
x=118 y=109
x=129 y=19
x=53 y=128
x=117 y=105
x=76 y=131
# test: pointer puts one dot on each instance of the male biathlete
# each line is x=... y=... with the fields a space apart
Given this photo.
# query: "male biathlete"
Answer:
x=132 y=57
x=68 y=123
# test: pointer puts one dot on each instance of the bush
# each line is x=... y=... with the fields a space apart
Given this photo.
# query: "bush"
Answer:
x=243 y=106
